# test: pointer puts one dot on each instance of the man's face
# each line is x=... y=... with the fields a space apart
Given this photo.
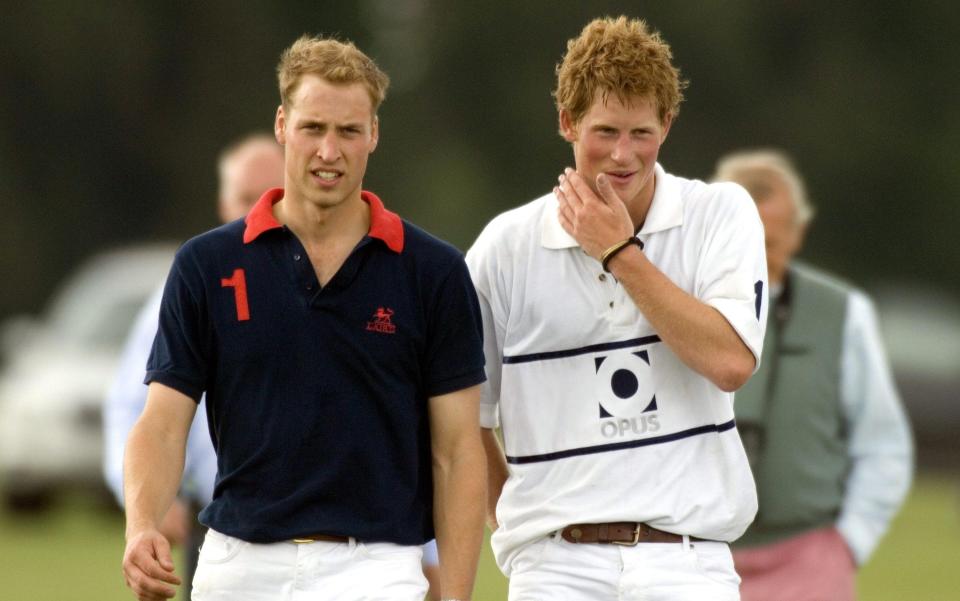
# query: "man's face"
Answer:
x=328 y=132
x=782 y=231
x=246 y=176
x=620 y=140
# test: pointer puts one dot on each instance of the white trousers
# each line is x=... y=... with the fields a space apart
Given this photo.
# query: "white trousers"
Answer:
x=551 y=569
x=230 y=569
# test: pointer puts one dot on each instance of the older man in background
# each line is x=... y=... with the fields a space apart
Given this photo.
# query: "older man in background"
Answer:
x=821 y=420
x=246 y=168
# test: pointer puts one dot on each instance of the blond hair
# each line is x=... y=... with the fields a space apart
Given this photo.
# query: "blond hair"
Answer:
x=619 y=56
x=753 y=169
x=335 y=61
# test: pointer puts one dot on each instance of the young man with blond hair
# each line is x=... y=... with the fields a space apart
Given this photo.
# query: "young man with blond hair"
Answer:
x=620 y=313
x=340 y=351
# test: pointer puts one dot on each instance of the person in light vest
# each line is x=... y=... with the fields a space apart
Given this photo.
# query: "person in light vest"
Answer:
x=822 y=422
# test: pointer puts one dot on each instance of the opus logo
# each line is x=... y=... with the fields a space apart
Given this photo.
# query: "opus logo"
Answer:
x=627 y=402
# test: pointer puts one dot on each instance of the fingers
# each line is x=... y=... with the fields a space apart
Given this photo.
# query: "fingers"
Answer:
x=574 y=188
x=605 y=188
x=566 y=193
x=164 y=557
x=148 y=567
x=146 y=588
x=565 y=206
x=574 y=185
x=575 y=200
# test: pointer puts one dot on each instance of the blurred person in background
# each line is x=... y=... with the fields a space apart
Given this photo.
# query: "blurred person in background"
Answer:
x=823 y=425
x=246 y=170
x=340 y=351
x=620 y=313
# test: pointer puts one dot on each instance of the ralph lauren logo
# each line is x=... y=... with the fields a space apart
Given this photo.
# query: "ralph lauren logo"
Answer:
x=381 y=321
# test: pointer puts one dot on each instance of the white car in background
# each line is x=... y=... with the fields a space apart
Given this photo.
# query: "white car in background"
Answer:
x=921 y=326
x=58 y=369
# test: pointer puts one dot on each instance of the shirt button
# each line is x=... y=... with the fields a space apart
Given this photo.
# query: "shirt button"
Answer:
x=611 y=304
x=603 y=277
x=296 y=257
x=310 y=287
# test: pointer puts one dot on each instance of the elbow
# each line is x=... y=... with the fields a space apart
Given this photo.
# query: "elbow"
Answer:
x=734 y=373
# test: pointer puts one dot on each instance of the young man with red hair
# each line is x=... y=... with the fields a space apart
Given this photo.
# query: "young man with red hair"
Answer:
x=620 y=313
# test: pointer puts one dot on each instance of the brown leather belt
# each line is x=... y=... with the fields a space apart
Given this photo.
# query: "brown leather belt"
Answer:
x=328 y=538
x=620 y=533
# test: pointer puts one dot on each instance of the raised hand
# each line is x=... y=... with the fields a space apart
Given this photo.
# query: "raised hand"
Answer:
x=596 y=221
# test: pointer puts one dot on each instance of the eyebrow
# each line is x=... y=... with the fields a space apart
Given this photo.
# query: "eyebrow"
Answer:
x=349 y=124
x=608 y=126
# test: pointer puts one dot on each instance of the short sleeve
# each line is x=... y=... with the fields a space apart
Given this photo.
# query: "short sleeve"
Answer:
x=733 y=275
x=454 y=351
x=181 y=349
x=482 y=264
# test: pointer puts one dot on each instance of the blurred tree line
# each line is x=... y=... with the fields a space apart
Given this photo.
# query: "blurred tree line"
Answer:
x=112 y=115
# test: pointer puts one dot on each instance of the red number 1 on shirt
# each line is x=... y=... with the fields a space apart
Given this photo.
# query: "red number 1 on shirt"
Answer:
x=238 y=282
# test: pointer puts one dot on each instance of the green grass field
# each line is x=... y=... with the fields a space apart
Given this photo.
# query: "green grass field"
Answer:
x=74 y=553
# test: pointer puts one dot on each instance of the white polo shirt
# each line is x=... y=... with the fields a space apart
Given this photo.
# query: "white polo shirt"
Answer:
x=601 y=421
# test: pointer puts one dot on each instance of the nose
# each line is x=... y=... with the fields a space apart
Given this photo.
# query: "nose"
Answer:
x=621 y=149
x=328 y=149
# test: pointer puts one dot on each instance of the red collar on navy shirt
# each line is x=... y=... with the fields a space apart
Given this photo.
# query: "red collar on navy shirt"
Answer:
x=384 y=224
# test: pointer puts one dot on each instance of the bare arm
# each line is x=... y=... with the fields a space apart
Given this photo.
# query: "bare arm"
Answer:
x=702 y=338
x=699 y=335
x=153 y=464
x=459 y=485
x=497 y=474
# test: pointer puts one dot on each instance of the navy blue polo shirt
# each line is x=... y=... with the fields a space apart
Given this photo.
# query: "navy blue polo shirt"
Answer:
x=317 y=397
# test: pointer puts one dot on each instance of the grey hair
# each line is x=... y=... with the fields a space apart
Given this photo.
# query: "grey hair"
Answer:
x=242 y=144
x=749 y=168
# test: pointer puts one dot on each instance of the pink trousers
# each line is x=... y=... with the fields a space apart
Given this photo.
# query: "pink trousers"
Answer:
x=814 y=566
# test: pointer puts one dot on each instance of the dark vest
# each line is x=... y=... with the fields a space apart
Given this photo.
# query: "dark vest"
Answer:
x=790 y=412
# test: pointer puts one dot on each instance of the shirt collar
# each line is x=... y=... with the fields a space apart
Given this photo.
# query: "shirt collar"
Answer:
x=552 y=234
x=666 y=211
x=384 y=225
x=260 y=218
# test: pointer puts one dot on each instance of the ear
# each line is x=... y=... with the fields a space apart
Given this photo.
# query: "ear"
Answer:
x=667 y=122
x=374 y=133
x=568 y=129
x=279 y=126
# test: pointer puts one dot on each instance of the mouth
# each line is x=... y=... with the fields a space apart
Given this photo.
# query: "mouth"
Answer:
x=326 y=176
x=620 y=177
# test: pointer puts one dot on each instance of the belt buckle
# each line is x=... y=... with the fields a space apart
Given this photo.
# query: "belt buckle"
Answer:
x=632 y=543
x=303 y=541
